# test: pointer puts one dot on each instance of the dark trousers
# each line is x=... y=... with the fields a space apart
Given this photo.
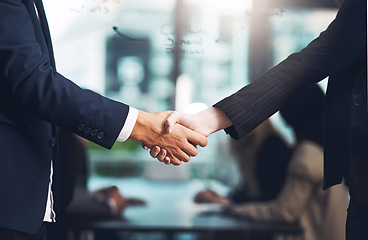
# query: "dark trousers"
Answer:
x=357 y=222
x=7 y=234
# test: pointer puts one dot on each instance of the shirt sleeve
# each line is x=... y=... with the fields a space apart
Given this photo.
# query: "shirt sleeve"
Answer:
x=129 y=125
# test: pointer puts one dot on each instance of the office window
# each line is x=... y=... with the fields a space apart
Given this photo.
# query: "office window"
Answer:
x=175 y=54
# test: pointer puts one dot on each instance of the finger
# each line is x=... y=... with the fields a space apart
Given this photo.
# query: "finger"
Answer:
x=189 y=149
x=183 y=147
x=183 y=156
x=167 y=161
x=173 y=118
x=196 y=138
x=144 y=146
x=155 y=151
x=174 y=161
x=170 y=158
x=162 y=155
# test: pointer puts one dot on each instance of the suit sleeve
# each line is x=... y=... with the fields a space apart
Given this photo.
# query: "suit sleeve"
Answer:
x=257 y=101
x=32 y=85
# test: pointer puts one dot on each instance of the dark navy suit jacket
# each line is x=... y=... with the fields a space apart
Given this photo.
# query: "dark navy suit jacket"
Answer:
x=340 y=53
x=33 y=98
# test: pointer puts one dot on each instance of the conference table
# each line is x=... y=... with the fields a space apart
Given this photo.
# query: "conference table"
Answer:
x=170 y=211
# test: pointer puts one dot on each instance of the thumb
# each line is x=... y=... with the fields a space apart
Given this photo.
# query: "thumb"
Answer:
x=171 y=120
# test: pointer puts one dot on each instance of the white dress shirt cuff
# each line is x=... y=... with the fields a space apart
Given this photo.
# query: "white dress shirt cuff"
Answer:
x=129 y=125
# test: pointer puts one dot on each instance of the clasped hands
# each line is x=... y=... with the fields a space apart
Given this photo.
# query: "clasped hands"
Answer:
x=173 y=136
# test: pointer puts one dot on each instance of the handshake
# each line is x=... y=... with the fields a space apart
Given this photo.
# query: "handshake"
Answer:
x=173 y=136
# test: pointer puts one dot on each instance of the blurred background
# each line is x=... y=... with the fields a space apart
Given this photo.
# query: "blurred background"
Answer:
x=176 y=54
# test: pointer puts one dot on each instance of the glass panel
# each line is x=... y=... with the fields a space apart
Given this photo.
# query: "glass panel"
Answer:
x=175 y=54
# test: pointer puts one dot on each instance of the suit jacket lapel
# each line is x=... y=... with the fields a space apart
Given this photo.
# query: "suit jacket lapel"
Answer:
x=41 y=28
x=45 y=30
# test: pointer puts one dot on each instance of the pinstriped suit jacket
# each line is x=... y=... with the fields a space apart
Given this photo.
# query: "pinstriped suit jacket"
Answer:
x=32 y=96
x=340 y=53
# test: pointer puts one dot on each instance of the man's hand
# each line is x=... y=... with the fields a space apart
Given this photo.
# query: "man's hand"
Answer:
x=210 y=196
x=205 y=122
x=119 y=203
x=179 y=144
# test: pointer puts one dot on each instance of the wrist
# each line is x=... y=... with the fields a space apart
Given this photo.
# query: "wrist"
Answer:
x=148 y=127
x=213 y=119
x=140 y=126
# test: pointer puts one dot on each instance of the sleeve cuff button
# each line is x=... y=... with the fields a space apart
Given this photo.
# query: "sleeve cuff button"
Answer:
x=80 y=127
x=87 y=130
x=94 y=132
x=100 y=135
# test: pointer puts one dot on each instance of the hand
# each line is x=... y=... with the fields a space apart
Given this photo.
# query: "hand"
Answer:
x=120 y=202
x=135 y=202
x=112 y=194
x=179 y=144
x=205 y=122
x=209 y=196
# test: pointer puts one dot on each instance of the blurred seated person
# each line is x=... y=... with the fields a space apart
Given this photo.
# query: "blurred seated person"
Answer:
x=261 y=155
x=320 y=213
x=73 y=199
